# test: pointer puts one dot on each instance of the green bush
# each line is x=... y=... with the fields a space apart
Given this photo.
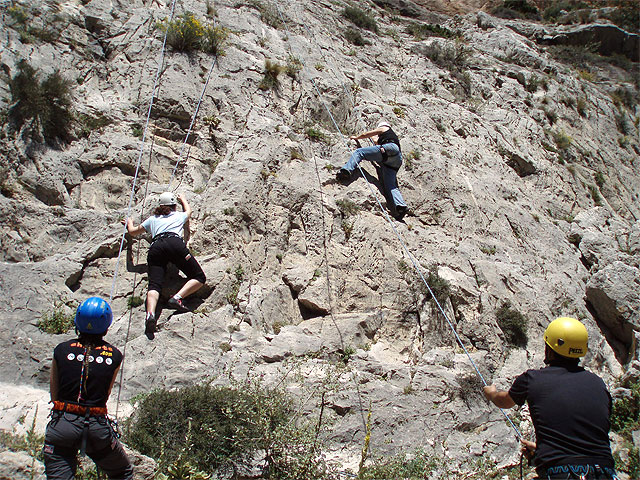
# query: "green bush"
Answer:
x=20 y=17
x=315 y=135
x=268 y=14
x=418 y=465
x=214 y=40
x=625 y=414
x=56 y=321
x=517 y=9
x=272 y=71
x=87 y=124
x=439 y=286
x=134 y=301
x=46 y=103
x=347 y=207
x=513 y=324
x=354 y=37
x=293 y=67
x=425 y=30
x=562 y=140
x=452 y=56
x=552 y=12
x=218 y=426
x=186 y=33
x=360 y=18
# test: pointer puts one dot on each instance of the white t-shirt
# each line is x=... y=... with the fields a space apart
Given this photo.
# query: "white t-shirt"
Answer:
x=174 y=222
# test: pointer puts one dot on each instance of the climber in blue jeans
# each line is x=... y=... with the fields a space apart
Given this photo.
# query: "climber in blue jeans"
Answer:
x=386 y=153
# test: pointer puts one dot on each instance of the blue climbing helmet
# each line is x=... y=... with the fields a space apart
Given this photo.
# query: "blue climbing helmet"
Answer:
x=94 y=316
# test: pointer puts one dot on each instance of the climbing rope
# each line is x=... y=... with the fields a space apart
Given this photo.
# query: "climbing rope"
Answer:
x=193 y=118
x=185 y=142
x=154 y=91
x=326 y=255
x=141 y=152
x=417 y=268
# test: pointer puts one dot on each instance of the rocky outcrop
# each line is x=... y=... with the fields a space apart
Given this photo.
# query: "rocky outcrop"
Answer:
x=612 y=294
x=521 y=174
x=608 y=39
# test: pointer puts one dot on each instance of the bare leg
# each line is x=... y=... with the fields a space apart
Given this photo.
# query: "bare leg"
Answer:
x=188 y=288
x=152 y=301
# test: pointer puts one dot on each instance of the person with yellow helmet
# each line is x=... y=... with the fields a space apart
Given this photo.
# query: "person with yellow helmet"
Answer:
x=569 y=408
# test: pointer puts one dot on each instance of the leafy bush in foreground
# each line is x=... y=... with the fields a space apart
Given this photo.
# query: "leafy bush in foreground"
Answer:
x=226 y=425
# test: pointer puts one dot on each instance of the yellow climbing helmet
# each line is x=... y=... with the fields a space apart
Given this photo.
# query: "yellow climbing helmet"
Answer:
x=567 y=337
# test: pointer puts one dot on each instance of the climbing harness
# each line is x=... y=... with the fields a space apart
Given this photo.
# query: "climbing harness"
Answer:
x=78 y=409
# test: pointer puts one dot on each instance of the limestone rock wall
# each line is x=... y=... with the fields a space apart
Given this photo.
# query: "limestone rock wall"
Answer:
x=521 y=184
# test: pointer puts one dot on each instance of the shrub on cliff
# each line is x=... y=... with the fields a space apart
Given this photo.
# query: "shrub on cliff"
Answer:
x=45 y=104
x=219 y=427
x=513 y=324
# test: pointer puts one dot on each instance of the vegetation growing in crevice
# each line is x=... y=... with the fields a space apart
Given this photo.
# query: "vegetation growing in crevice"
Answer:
x=360 y=18
x=186 y=33
x=354 y=37
x=22 y=19
x=217 y=428
x=43 y=104
x=454 y=57
x=517 y=9
x=272 y=71
x=232 y=296
x=347 y=209
x=513 y=324
x=421 y=31
x=57 y=320
x=625 y=419
x=414 y=465
x=269 y=14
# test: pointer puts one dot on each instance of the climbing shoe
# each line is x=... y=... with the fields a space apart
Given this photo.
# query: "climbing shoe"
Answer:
x=401 y=211
x=150 y=324
x=343 y=175
x=177 y=304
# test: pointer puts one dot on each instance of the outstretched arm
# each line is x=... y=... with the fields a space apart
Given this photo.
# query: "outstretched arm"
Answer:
x=185 y=205
x=133 y=230
x=370 y=133
x=500 y=398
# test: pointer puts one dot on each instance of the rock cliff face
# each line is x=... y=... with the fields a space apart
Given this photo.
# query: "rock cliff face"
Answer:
x=521 y=171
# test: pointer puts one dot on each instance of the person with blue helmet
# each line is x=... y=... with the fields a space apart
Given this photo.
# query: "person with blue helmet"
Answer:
x=83 y=372
x=167 y=228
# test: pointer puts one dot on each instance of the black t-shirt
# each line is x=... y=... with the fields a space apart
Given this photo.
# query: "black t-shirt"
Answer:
x=388 y=136
x=103 y=360
x=570 y=410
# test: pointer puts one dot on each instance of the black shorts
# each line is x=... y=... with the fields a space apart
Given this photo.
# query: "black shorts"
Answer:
x=171 y=250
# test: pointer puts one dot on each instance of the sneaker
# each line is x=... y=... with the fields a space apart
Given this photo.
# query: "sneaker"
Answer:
x=177 y=304
x=343 y=175
x=150 y=324
x=401 y=211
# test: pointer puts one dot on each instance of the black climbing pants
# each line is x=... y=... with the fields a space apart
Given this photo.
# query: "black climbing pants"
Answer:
x=171 y=249
x=64 y=437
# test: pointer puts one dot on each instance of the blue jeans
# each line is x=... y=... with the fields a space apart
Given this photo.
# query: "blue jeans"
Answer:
x=389 y=179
